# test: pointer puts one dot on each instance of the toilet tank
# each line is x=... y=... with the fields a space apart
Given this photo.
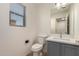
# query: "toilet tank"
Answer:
x=41 y=38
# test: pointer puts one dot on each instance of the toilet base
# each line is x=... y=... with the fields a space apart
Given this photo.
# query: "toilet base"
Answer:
x=37 y=53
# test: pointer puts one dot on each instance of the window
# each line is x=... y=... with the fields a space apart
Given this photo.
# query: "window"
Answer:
x=17 y=15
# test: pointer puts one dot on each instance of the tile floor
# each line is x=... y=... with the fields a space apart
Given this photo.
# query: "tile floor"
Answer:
x=44 y=54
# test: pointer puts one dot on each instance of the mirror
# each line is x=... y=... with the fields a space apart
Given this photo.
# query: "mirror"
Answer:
x=60 y=21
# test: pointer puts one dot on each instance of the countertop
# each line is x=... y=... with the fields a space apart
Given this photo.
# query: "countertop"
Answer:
x=61 y=40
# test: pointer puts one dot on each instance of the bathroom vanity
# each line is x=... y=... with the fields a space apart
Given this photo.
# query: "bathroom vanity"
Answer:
x=61 y=47
x=64 y=21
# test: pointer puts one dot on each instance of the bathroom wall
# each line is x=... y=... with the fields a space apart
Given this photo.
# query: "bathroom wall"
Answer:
x=12 y=39
x=44 y=18
x=76 y=20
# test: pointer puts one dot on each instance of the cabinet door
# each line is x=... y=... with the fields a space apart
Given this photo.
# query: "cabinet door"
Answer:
x=77 y=51
x=53 y=49
x=68 y=50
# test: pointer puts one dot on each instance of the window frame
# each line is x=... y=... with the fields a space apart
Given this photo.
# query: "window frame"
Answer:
x=11 y=12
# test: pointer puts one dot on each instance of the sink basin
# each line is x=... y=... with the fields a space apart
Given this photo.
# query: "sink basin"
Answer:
x=57 y=39
x=65 y=39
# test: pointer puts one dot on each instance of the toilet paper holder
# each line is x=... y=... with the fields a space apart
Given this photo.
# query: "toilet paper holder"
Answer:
x=26 y=41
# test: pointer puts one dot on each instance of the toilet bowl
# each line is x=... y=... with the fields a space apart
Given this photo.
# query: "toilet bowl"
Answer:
x=37 y=47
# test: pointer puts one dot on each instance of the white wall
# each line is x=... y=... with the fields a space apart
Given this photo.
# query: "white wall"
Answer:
x=76 y=20
x=44 y=18
x=12 y=39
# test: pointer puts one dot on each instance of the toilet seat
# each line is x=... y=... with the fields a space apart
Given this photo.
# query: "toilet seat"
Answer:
x=37 y=47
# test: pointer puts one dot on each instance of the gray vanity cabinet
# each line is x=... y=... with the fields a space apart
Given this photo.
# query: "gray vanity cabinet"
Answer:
x=77 y=51
x=68 y=50
x=62 y=49
x=53 y=49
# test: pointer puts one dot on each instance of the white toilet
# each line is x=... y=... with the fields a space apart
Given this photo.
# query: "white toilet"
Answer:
x=37 y=47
